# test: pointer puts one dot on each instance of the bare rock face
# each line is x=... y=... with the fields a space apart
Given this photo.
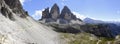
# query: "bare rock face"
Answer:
x=54 y=15
x=8 y=7
x=54 y=12
x=73 y=17
x=16 y=7
x=67 y=14
x=7 y=13
x=4 y=11
x=13 y=4
x=45 y=13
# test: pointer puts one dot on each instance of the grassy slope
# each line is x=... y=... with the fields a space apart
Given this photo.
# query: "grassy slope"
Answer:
x=86 y=38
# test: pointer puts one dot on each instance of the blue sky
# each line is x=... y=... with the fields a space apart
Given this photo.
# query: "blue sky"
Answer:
x=106 y=10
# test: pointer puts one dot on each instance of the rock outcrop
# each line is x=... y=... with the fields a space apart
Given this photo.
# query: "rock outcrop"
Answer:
x=55 y=12
x=45 y=14
x=66 y=13
x=5 y=11
x=16 y=7
x=8 y=7
x=54 y=15
x=66 y=16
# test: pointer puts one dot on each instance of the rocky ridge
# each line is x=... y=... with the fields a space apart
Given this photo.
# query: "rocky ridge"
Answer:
x=54 y=15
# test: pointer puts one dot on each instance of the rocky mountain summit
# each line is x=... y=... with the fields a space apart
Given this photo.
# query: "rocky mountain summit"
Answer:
x=54 y=15
x=67 y=22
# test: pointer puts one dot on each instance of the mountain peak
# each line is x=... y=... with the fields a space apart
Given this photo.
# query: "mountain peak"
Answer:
x=92 y=21
x=55 y=5
x=66 y=9
x=55 y=11
x=65 y=17
x=45 y=13
x=88 y=18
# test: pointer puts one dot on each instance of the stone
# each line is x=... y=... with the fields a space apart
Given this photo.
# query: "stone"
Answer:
x=54 y=15
x=66 y=13
x=5 y=12
x=46 y=14
x=74 y=17
x=55 y=12
x=16 y=7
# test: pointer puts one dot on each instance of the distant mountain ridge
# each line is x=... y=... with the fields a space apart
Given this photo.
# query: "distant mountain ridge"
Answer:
x=94 y=21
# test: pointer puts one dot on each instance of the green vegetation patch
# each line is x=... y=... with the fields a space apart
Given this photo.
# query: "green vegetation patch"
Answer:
x=85 y=38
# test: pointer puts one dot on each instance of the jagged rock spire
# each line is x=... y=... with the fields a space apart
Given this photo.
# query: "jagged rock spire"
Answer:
x=65 y=10
x=66 y=13
x=45 y=13
x=54 y=15
x=55 y=11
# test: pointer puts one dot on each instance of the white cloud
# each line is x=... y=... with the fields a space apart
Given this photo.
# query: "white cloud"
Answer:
x=22 y=1
x=37 y=15
x=78 y=15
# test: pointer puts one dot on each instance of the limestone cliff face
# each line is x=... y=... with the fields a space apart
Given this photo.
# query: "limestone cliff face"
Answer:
x=16 y=7
x=45 y=13
x=5 y=10
x=66 y=13
x=54 y=15
x=55 y=12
